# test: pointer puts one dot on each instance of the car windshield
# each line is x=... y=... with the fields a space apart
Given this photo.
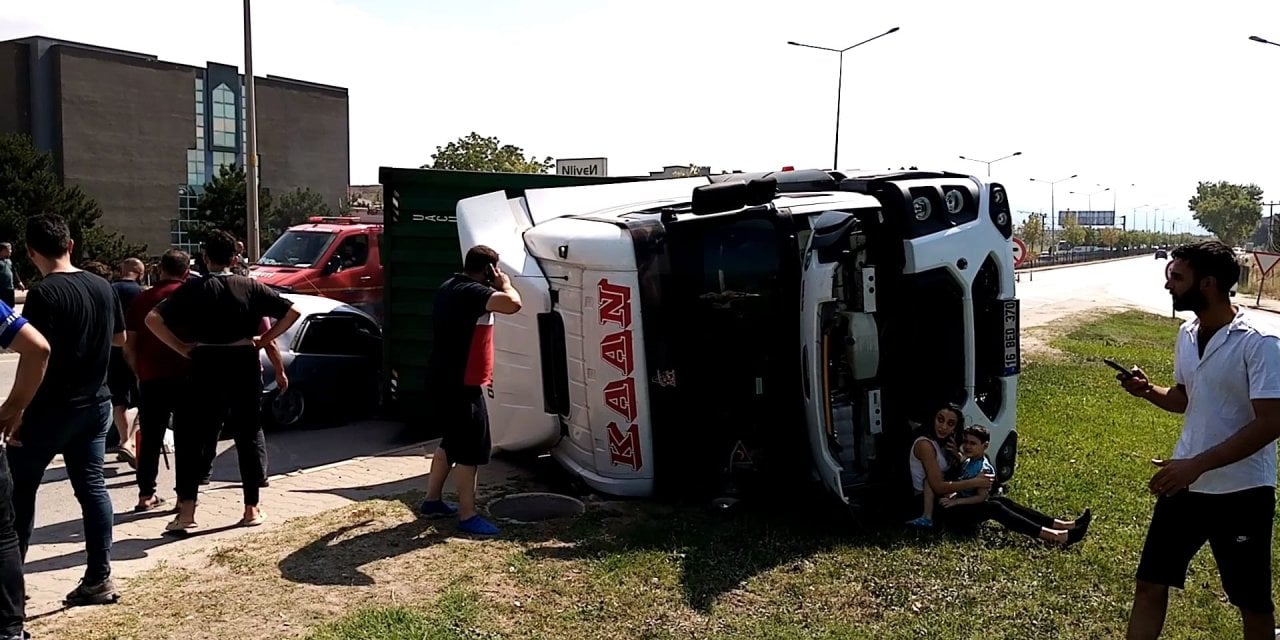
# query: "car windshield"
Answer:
x=298 y=249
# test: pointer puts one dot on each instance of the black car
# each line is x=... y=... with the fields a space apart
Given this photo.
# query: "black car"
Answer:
x=1162 y=253
x=333 y=358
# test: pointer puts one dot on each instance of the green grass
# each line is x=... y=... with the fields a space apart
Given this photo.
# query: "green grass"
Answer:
x=645 y=570
x=671 y=573
x=455 y=615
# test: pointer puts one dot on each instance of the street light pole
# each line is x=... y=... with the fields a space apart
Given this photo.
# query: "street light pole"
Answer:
x=835 y=161
x=1053 y=207
x=991 y=162
x=251 y=135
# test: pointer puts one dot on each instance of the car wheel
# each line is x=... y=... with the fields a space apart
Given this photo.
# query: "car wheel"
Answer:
x=288 y=408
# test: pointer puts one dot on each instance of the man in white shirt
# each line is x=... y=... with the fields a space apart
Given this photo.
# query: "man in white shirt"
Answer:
x=1220 y=486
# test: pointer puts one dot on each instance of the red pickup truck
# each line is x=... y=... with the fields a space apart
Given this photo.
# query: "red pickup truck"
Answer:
x=334 y=257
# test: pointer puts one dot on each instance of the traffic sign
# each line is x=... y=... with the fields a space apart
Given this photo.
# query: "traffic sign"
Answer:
x=1019 y=252
x=1266 y=260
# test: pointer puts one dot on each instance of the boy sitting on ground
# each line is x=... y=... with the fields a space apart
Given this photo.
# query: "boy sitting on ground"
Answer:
x=974 y=449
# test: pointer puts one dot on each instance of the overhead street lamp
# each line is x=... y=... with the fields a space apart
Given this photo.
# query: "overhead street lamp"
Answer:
x=1263 y=40
x=835 y=162
x=991 y=162
x=1089 y=196
x=1053 y=207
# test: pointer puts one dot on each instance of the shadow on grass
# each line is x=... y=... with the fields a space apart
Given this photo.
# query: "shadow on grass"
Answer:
x=718 y=550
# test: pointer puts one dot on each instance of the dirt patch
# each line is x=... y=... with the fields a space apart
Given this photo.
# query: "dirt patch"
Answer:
x=1037 y=339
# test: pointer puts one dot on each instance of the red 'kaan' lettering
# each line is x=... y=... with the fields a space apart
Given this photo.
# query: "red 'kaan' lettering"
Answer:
x=615 y=303
x=624 y=448
x=615 y=349
x=620 y=395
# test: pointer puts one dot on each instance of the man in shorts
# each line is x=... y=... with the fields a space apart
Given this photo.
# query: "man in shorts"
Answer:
x=1220 y=485
x=461 y=365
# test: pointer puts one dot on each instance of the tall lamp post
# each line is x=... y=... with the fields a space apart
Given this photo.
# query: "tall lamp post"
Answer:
x=251 y=142
x=1089 y=196
x=835 y=162
x=991 y=162
x=1053 y=207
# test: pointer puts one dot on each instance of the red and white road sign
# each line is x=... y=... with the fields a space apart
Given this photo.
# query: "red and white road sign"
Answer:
x=1266 y=260
x=1019 y=252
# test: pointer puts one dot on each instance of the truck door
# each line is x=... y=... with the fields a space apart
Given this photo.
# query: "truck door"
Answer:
x=518 y=419
x=346 y=274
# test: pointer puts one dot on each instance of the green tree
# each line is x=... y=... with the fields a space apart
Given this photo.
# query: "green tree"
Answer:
x=477 y=153
x=224 y=205
x=1072 y=232
x=293 y=208
x=1110 y=237
x=1230 y=211
x=1032 y=232
x=29 y=186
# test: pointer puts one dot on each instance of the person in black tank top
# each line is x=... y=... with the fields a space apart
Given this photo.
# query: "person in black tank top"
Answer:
x=214 y=321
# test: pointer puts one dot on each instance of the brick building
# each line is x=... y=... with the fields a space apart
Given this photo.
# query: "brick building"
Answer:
x=143 y=136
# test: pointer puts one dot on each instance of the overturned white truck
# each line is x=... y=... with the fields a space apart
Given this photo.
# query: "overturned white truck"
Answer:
x=693 y=336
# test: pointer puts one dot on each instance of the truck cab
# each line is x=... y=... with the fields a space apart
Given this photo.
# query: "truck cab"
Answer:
x=705 y=335
x=333 y=257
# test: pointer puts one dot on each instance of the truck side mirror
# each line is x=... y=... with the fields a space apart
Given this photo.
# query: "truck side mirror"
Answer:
x=332 y=266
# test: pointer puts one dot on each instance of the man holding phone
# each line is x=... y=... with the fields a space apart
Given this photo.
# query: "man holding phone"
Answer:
x=1220 y=485
x=461 y=365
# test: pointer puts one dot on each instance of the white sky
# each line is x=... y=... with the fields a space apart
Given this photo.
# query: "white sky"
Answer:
x=1120 y=92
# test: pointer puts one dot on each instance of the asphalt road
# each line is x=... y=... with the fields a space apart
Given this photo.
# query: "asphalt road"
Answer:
x=1046 y=296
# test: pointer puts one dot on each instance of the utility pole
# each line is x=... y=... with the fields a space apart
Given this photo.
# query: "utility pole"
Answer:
x=251 y=152
x=1271 y=224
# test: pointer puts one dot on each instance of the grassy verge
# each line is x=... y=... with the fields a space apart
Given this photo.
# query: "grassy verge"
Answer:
x=374 y=572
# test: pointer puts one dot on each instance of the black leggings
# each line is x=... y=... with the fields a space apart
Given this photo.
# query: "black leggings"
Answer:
x=225 y=395
x=1012 y=515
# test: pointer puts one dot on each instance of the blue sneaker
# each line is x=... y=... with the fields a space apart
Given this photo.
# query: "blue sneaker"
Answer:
x=921 y=523
x=436 y=508
x=477 y=526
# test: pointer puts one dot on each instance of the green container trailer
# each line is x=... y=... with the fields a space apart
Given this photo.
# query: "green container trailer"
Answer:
x=419 y=252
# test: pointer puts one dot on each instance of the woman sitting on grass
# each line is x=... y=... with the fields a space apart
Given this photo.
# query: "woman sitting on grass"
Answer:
x=967 y=504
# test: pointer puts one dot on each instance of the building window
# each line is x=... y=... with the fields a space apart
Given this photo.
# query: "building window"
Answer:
x=223 y=158
x=180 y=228
x=224 y=117
x=195 y=168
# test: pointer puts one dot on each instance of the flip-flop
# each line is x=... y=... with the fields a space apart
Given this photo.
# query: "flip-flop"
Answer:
x=255 y=522
x=156 y=504
x=176 y=527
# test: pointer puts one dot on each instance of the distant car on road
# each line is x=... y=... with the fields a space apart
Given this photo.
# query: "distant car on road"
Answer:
x=1162 y=253
x=333 y=357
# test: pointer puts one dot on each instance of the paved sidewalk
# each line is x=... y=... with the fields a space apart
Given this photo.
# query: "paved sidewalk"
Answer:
x=55 y=561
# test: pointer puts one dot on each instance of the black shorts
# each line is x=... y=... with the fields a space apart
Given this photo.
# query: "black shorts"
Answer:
x=464 y=425
x=122 y=382
x=1237 y=527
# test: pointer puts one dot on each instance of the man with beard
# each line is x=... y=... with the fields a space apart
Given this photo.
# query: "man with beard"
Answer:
x=1220 y=485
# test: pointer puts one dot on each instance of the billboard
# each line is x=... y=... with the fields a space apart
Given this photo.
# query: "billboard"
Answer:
x=582 y=167
x=1088 y=218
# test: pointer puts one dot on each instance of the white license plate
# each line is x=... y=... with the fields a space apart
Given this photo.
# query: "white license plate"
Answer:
x=1011 y=338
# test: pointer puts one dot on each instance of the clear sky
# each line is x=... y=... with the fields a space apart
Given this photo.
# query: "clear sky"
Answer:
x=1157 y=95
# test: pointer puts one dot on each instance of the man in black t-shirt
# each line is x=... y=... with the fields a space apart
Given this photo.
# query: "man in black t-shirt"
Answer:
x=461 y=365
x=80 y=316
x=121 y=379
x=218 y=317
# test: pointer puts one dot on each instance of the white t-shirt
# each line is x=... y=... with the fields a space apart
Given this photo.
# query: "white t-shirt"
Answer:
x=918 y=475
x=1241 y=362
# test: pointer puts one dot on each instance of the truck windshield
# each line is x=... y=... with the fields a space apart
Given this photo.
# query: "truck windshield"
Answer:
x=298 y=249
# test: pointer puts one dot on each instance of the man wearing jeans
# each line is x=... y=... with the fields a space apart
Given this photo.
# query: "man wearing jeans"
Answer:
x=80 y=315
x=17 y=335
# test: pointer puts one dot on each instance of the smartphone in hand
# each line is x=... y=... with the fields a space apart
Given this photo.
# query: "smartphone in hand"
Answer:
x=1125 y=373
